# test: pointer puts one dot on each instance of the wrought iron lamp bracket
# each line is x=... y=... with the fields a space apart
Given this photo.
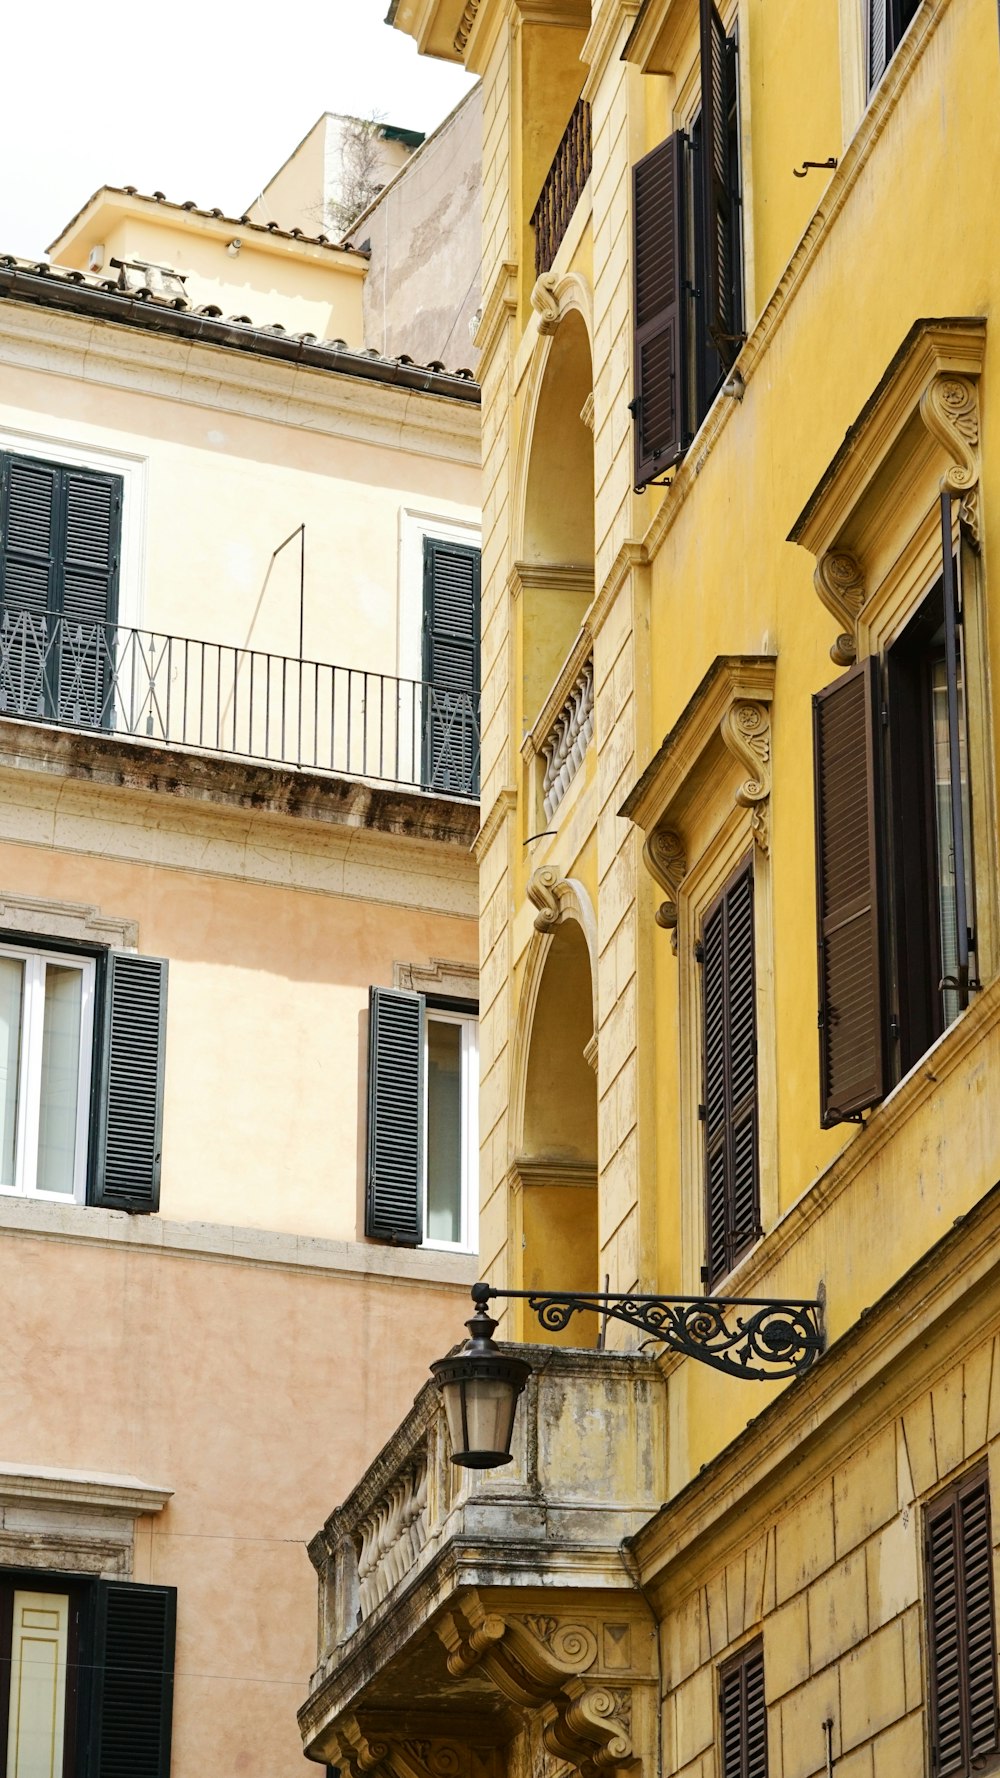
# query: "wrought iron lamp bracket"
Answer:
x=760 y=1338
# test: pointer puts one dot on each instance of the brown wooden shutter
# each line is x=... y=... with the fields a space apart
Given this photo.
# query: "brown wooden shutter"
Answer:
x=956 y=748
x=732 y=1210
x=716 y=194
x=743 y=1715
x=960 y=1629
x=659 y=406
x=849 y=893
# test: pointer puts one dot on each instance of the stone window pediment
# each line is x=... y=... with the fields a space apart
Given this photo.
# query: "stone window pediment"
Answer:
x=916 y=436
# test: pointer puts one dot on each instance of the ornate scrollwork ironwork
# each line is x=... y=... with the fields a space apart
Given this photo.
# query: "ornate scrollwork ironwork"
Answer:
x=766 y=1340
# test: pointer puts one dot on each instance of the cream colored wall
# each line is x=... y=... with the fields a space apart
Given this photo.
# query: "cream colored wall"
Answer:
x=257 y=1392
x=296 y=196
x=216 y=492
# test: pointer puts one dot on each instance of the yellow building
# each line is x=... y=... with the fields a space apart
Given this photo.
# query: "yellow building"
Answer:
x=739 y=537
x=238 y=772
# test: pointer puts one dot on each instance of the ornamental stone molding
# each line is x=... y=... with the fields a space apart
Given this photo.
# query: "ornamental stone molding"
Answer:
x=728 y=718
x=920 y=430
x=363 y=1755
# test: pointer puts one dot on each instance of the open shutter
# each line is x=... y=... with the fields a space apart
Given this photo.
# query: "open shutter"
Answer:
x=877 y=23
x=89 y=595
x=394 y=1194
x=732 y=1215
x=717 y=199
x=956 y=751
x=127 y=1161
x=451 y=667
x=29 y=501
x=743 y=1715
x=960 y=1629
x=660 y=403
x=849 y=893
x=133 y=1680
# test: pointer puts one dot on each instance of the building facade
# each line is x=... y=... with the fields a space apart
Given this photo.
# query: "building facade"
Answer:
x=739 y=753
x=239 y=756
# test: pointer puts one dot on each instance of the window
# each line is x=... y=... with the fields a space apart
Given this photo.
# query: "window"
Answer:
x=961 y=1641
x=729 y=1110
x=687 y=260
x=450 y=667
x=887 y=21
x=81 y=1090
x=423 y=1149
x=893 y=831
x=59 y=558
x=46 y=1044
x=86 y=1677
x=743 y=1715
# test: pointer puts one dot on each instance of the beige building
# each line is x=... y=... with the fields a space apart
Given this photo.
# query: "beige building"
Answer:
x=239 y=765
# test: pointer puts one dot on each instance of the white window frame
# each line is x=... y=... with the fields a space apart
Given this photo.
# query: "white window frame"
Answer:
x=469 y=1023
x=30 y=1072
x=414 y=526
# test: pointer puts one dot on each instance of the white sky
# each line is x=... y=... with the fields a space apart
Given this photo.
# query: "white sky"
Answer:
x=199 y=101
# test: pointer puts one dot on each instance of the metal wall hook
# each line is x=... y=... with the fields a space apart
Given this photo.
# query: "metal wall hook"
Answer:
x=800 y=172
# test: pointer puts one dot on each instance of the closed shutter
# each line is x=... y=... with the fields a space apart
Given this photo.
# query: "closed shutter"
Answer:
x=960 y=1629
x=29 y=497
x=717 y=199
x=394 y=1194
x=849 y=893
x=89 y=595
x=743 y=1715
x=133 y=1680
x=732 y=1214
x=877 y=32
x=451 y=667
x=130 y=1112
x=660 y=403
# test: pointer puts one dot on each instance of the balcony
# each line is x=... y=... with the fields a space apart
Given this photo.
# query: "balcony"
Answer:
x=454 y=1594
x=564 y=182
x=241 y=702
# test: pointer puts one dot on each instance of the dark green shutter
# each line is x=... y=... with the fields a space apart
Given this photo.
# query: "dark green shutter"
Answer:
x=451 y=667
x=133 y=1680
x=89 y=596
x=729 y=1019
x=29 y=499
x=394 y=1172
x=660 y=402
x=849 y=892
x=743 y=1715
x=130 y=1112
x=717 y=66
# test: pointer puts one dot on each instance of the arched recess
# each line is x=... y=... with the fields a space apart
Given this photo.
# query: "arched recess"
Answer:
x=554 y=1104
x=554 y=499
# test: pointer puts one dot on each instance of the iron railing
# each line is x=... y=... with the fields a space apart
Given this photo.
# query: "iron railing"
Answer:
x=564 y=182
x=242 y=701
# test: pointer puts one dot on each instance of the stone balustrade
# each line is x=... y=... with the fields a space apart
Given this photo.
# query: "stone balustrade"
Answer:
x=564 y=747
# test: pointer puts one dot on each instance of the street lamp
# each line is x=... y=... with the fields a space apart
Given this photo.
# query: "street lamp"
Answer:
x=764 y=1339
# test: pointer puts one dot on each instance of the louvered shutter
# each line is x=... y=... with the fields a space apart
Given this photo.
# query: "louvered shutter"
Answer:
x=451 y=667
x=877 y=31
x=133 y=1680
x=716 y=61
x=88 y=596
x=130 y=1121
x=743 y=1715
x=29 y=502
x=849 y=875
x=960 y=1629
x=729 y=1023
x=394 y=1173
x=660 y=403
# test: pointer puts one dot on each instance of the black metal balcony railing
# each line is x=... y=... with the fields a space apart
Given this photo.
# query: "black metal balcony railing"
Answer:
x=222 y=699
x=564 y=182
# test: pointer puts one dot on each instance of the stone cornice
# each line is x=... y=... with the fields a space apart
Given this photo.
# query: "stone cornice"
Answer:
x=499 y=305
x=132 y=359
x=731 y=680
x=95 y=1491
x=613 y=16
x=842 y=182
x=504 y=804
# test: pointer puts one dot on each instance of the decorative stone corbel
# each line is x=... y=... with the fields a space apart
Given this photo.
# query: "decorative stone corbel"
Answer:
x=360 y=1755
x=545 y=302
x=541 y=891
x=587 y=412
x=949 y=408
x=839 y=581
x=592 y=1729
x=666 y=860
x=746 y=730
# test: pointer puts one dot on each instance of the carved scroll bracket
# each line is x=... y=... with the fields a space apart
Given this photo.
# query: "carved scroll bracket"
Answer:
x=839 y=581
x=949 y=408
x=545 y=302
x=746 y=731
x=666 y=860
x=362 y=1755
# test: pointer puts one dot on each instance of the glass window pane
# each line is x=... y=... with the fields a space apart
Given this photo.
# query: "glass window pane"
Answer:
x=444 y=1131
x=60 y=1079
x=11 y=1001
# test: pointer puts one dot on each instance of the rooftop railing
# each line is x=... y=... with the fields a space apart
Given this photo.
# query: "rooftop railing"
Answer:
x=564 y=182
x=271 y=708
